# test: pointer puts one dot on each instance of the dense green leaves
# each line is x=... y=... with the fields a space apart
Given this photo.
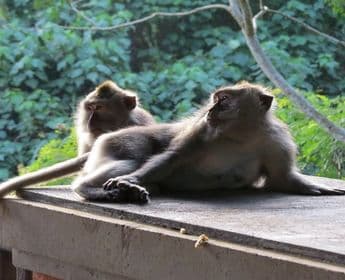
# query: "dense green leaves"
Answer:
x=27 y=122
x=319 y=154
x=172 y=62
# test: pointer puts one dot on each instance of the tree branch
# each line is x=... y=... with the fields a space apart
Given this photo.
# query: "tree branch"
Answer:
x=241 y=11
x=261 y=5
x=151 y=16
x=330 y=38
x=75 y=9
x=248 y=17
x=278 y=80
x=236 y=13
x=262 y=11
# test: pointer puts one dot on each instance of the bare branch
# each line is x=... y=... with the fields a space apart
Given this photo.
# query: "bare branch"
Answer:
x=236 y=13
x=259 y=15
x=278 y=80
x=248 y=17
x=308 y=27
x=151 y=16
x=261 y=5
x=74 y=8
x=241 y=11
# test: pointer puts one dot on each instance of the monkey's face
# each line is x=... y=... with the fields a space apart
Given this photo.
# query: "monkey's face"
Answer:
x=107 y=108
x=238 y=107
x=225 y=109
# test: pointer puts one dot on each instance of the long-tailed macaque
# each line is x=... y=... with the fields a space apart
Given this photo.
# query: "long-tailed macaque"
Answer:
x=107 y=108
x=231 y=142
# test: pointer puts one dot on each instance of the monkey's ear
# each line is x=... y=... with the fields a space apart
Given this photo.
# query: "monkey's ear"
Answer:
x=265 y=100
x=130 y=102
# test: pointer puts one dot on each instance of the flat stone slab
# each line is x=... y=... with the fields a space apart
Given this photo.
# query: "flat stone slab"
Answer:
x=309 y=226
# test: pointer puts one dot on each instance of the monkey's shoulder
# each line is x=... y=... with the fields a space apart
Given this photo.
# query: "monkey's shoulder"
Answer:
x=139 y=116
x=276 y=135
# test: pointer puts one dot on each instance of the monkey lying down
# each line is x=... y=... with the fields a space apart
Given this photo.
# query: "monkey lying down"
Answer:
x=107 y=108
x=231 y=142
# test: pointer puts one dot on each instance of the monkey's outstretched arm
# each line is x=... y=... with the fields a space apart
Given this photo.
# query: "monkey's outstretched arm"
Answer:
x=57 y=170
x=152 y=171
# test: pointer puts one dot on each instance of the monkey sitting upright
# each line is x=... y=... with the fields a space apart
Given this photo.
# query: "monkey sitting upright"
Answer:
x=107 y=108
x=231 y=142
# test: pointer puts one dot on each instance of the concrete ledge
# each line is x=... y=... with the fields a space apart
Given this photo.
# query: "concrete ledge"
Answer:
x=308 y=226
x=58 y=268
x=51 y=238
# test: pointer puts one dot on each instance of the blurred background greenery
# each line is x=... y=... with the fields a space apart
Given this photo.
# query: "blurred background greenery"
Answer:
x=173 y=63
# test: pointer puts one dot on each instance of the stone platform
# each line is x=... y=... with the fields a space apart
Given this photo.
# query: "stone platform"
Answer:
x=253 y=235
x=312 y=226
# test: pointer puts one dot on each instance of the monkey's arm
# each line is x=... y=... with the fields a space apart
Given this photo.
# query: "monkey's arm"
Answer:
x=155 y=169
x=57 y=170
x=83 y=147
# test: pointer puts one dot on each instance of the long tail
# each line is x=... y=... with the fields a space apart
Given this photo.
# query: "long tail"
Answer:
x=55 y=171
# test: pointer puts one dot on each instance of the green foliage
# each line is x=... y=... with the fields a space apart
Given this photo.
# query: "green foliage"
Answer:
x=56 y=150
x=319 y=154
x=338 y=6
x=173 y=62
x=27 y=122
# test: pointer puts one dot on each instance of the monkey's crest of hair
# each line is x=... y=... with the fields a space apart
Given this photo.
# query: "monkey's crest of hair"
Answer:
x=108 y=89
x=250 y=89
x=245 y=85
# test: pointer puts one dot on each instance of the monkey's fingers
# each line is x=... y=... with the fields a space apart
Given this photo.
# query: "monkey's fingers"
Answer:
x=110 y=184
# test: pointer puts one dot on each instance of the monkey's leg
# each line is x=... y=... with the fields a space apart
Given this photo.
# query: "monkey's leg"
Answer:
x=90 y=186
x=282 y=177
x=294 y=182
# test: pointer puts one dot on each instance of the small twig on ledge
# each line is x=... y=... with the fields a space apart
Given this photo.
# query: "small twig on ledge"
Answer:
x=74 y=8
x=308 y=27
x=151 y=16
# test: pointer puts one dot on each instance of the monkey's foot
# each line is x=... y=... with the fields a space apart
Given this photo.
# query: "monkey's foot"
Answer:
x=114 y=195
x=319 y=190
x=129 y=190
x=309 y=189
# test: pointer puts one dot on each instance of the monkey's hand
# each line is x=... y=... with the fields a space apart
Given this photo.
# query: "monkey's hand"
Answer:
x=113 y=183
x=129 y=186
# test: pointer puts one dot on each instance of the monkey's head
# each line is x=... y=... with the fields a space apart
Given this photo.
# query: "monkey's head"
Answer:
x=237 y=107
x=108 y=107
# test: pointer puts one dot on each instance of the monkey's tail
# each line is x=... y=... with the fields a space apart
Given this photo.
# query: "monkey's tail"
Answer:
x=55 y=171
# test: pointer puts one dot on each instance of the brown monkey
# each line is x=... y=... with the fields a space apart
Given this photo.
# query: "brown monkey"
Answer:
x=231 y=142
x=107 y=108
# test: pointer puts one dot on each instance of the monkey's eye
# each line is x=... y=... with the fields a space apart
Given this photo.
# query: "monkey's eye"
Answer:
x=224 y=97
x=94 y=107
